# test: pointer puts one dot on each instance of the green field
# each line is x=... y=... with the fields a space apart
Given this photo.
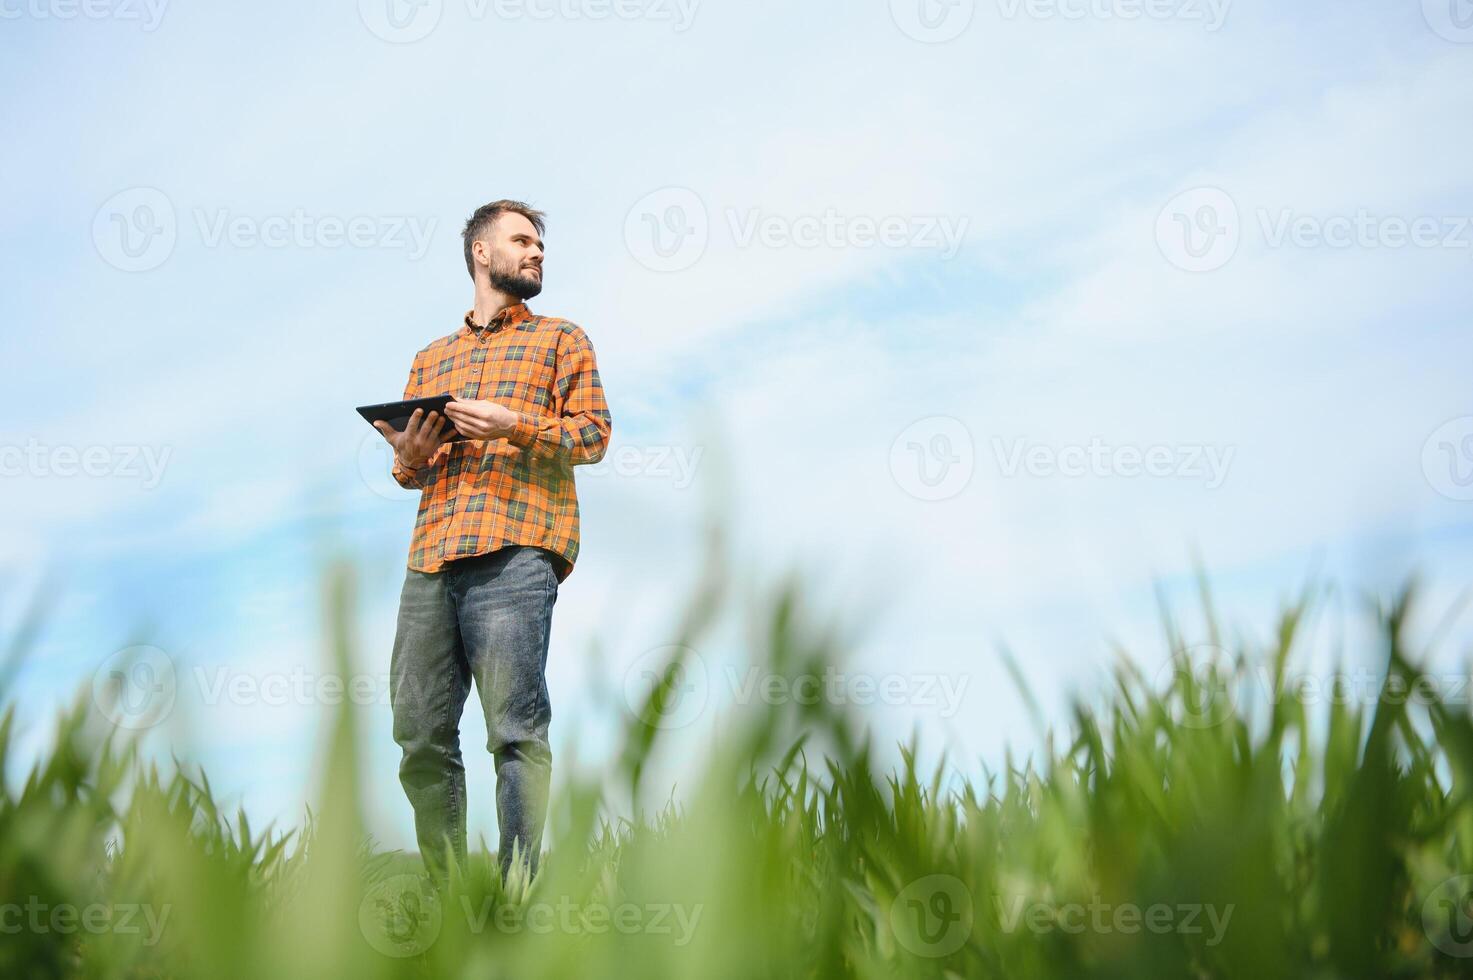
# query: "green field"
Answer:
x=1173 y=828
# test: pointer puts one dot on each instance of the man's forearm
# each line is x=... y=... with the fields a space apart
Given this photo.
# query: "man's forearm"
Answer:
x=575 y=439
x=409 y=476
x=580 y=432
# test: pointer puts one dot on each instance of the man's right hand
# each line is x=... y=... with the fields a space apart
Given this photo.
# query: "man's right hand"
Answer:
x=421 y=437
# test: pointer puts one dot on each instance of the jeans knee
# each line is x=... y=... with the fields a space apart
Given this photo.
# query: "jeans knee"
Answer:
x=532 y=751
x=426 y=745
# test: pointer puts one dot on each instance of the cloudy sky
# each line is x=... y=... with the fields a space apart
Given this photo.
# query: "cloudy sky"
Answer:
x=988 y=318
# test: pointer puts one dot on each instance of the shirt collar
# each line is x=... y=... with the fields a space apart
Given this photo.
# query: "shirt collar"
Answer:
x=508 y=317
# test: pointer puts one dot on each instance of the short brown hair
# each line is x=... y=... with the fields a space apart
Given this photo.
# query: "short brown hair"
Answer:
x=485 y=216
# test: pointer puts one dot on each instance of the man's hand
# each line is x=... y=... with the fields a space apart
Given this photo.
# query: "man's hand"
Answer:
x=481 y=419
x=419 y=440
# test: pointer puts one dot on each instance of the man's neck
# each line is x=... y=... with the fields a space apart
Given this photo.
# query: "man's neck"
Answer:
x=489 y=302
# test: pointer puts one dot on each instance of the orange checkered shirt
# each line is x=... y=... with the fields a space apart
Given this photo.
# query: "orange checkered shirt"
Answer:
x=483 y=494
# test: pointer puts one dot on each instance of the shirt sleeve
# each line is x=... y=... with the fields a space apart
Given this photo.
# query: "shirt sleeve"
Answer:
x=579 y=433
x=410 y=478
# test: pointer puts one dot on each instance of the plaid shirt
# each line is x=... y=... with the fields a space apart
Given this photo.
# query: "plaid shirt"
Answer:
x=480 y=495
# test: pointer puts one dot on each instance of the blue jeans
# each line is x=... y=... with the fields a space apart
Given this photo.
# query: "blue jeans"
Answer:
x=485 y=618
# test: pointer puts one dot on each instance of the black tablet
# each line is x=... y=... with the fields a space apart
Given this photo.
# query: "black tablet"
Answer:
x=397 y=413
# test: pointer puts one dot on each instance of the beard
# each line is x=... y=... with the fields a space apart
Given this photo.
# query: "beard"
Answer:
x=513 y=281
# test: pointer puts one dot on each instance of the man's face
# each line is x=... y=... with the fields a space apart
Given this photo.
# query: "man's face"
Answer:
x=514 y=253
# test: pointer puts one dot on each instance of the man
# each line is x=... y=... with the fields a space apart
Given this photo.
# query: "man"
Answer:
x=497 y=532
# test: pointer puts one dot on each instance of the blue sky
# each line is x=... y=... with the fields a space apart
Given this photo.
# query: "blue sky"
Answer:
x=911 y=299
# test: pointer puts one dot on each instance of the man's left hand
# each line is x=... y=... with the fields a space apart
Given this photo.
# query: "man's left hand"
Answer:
x=480 y=419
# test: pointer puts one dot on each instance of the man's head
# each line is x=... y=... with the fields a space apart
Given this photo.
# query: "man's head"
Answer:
x=503 y=244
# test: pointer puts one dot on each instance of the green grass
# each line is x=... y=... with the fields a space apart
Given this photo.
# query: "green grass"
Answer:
x=1177 y=830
